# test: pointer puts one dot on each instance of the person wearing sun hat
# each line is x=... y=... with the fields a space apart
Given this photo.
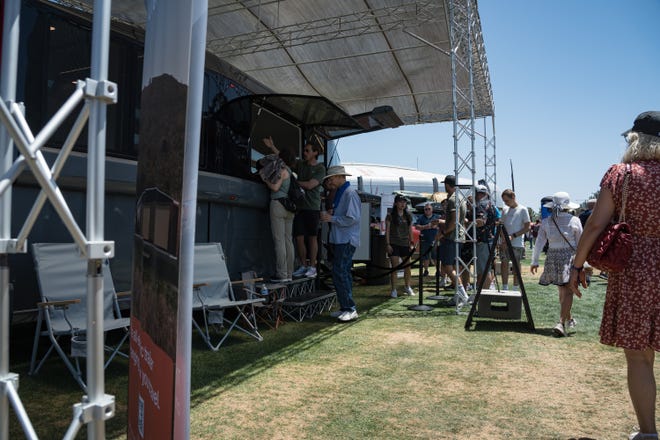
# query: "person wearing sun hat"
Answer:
x=561 y=231
x=344 y=236
x=631 y=315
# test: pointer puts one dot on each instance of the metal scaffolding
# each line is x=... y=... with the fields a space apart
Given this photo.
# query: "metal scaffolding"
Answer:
x=95 y=93
x=465 y=33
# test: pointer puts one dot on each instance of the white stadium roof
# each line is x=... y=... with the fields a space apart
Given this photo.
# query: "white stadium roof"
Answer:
x=385 y=179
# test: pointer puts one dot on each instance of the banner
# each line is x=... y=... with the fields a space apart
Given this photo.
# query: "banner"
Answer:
x=166 y=187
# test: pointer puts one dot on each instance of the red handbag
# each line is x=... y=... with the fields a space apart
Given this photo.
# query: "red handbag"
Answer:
x=613 y=248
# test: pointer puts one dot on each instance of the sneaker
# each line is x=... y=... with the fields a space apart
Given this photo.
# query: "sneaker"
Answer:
x=514 y=288
x=426 y=273
x=409 y=291
x=348 y=316
x=459 y=302
x=336 y=313
x=300 y=271
x=311 y=272
x=393 y=294
x=559 y=330
x=570 y=324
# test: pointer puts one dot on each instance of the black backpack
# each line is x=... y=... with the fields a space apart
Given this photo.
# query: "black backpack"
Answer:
x=296 y=192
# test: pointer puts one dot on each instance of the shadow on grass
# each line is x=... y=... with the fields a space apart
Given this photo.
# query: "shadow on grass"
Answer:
x=504 y=326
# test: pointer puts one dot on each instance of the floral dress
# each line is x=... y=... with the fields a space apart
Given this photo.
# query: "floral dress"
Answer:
x=631 y=314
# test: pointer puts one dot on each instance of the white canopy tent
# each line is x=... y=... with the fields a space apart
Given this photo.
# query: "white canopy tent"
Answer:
x=360 y=54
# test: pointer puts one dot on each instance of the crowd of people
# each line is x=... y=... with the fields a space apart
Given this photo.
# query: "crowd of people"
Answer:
x=300 y=219
x=631 y=313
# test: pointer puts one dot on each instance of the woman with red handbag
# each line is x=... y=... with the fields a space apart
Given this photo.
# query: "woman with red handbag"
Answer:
x=631 y=314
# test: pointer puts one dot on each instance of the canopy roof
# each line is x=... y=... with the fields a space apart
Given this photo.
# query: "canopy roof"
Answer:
x=359 y=54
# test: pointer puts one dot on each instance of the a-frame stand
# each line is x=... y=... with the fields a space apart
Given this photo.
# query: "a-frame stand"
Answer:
x=499 y=233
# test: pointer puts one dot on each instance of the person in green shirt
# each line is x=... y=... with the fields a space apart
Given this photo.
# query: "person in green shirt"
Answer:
x=309 y=173
x=306 y=223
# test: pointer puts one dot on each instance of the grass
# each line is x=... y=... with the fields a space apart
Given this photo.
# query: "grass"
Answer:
x=392 y=374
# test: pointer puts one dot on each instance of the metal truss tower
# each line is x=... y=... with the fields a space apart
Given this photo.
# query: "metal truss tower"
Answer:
x=464 y=33
x=95 y=94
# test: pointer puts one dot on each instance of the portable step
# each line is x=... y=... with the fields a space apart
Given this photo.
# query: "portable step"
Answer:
x=504 y=304
x=308 y=304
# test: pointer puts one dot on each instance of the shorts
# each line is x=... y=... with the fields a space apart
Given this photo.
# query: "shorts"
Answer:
x=517 y=252
x=426 y=250
x=306 y=222
x=400 y=251
x=447 y=252
x=466 y=252
x=483 y=252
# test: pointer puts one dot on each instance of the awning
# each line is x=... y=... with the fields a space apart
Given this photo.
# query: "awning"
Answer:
x=359 y=54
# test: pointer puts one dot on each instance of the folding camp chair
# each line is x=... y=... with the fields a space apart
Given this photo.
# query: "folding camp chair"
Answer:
x=213 y=294
x=62 y=278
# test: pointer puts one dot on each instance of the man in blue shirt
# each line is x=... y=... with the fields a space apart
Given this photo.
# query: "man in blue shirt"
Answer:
x=344 y=236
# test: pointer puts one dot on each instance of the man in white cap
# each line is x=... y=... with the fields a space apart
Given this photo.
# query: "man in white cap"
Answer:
x=344 y=236
x=487 y=216
x=448 y=248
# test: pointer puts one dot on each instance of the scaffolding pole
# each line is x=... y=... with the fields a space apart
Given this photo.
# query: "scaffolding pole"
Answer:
x=8 y=77
x=461 y=16
x=95 y=407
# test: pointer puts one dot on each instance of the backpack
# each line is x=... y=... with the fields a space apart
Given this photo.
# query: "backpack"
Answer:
x=296 y=192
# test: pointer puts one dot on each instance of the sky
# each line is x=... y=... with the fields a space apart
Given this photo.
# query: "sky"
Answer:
x=568 y=77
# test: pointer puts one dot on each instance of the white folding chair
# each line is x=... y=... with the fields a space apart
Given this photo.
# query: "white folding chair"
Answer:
x=213 y=295
x=62 y=278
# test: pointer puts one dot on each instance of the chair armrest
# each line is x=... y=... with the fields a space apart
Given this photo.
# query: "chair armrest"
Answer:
x=64 y=303
x=198 y=285
x=124 y=294
x=251 y=280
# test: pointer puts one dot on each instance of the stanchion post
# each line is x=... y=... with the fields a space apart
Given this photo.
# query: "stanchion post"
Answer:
x=421 y=307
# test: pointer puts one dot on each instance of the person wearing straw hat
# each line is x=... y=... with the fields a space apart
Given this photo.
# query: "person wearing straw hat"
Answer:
x=344 y=222
x=561 y=231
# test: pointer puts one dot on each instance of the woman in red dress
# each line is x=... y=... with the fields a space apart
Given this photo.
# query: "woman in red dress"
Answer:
x=631 y=314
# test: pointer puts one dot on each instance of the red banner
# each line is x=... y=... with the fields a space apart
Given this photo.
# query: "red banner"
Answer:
x=151 y=373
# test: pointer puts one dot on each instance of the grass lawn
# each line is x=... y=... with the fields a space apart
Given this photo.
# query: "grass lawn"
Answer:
x=392 y=374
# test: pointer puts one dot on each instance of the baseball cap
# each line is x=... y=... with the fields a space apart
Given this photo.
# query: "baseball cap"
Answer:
x=647 y=123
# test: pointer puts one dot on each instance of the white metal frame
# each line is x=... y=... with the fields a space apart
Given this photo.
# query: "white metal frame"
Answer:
x=96 y=92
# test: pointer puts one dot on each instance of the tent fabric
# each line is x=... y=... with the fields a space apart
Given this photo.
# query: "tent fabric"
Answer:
x=359 y=54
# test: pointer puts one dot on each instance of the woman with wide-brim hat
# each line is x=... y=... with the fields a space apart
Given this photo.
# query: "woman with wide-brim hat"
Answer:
x=562 y=231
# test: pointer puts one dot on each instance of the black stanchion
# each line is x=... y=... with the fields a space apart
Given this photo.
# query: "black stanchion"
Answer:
x=421 y=307
x=437 y=296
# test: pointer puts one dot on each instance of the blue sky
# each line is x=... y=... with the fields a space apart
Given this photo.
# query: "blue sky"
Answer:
x=568 y=77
